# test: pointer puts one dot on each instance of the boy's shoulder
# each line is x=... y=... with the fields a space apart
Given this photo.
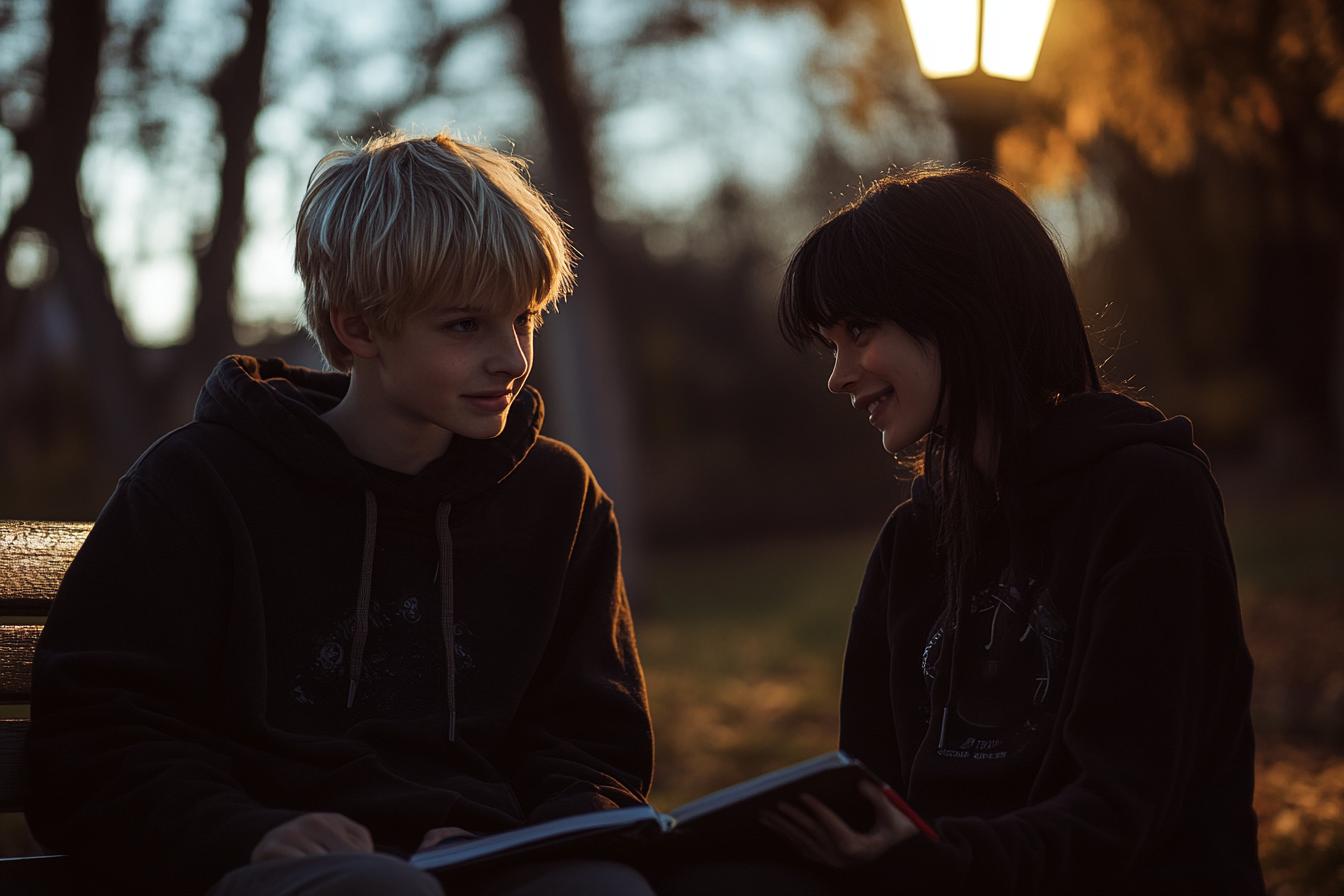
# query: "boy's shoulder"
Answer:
x=552 y=465
x=558 y=458
x=198 y=444
x=192 y=445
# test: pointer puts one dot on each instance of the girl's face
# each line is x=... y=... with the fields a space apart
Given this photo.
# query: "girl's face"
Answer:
x=888 y=375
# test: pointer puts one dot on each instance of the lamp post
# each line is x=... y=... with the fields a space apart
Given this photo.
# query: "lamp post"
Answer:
x=978 y=54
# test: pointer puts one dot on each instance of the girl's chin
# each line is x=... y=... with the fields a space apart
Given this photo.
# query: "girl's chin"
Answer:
x=896 y=443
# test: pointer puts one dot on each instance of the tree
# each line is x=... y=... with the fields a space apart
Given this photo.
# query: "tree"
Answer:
x=54 y=140
x=590 y=374
x=237 y=91
x=107 y=380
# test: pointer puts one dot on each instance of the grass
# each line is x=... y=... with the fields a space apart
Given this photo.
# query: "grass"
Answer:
x=742 y=652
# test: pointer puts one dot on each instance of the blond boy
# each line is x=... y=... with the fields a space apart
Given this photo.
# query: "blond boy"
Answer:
x=345 y=614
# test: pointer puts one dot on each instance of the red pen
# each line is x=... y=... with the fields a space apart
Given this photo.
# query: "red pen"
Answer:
x=911 y=814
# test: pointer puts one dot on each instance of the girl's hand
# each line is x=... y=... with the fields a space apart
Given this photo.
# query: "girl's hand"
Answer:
x=823 y=836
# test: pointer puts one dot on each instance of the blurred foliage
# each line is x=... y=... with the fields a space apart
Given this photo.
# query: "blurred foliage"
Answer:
x=1300 y=801
x=1254 y=78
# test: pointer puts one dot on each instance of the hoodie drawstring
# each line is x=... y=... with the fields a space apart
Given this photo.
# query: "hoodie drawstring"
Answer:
x=444 y=576
x=446 y=597
x=958 y=622
x=365 y=588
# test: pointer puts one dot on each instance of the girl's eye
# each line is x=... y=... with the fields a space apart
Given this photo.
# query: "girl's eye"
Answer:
x=857 y=330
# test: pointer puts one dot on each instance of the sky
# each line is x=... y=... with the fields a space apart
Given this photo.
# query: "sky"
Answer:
x=747 y=101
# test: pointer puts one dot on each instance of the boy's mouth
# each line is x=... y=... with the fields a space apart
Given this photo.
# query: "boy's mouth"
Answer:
x=490 y=402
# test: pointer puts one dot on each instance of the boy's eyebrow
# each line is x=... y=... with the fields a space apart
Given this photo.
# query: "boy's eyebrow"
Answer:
x=468 y=308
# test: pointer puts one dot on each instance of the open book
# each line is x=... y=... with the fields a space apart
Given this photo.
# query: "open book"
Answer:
x=728 y=816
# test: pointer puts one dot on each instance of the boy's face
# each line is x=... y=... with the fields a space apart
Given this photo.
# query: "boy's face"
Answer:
x=458 y=367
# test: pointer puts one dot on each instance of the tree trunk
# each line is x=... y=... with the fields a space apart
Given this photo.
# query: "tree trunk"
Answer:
x=590 y=378
x=237 y=90
x=55 y=144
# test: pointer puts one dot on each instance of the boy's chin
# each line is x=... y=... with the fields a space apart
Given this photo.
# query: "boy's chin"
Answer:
x=483 y=429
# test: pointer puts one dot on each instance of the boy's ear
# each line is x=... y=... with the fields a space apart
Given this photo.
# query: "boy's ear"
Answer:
x=354 y=332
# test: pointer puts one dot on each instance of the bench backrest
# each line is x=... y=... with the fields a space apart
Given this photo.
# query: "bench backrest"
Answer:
x=33 y=559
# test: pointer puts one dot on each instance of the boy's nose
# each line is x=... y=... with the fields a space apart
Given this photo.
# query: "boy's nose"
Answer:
x=513 y=355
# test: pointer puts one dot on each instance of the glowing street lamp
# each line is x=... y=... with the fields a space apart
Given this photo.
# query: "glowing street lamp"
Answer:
x=969 y=48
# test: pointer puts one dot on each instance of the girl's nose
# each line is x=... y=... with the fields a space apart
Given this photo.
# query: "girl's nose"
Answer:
x=843 y=374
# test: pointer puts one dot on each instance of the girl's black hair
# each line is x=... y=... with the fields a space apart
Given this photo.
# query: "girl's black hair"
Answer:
x=956 y=259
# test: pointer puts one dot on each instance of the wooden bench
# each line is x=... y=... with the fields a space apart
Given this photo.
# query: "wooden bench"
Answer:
x=33 y=560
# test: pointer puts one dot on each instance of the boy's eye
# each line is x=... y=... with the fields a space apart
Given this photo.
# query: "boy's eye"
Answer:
x=465 y=325
x=528 y=319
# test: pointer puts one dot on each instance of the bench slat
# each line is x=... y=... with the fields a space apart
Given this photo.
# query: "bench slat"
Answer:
x=33 y=559
x=13 y=734
x=17 y=644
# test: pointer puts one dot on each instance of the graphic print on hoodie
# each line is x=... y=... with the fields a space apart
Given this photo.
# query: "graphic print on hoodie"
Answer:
x=1007 y=698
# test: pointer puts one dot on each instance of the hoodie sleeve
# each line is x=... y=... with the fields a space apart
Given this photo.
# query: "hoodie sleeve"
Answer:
x=1157 y=693
x=582 y=740
x=866 y=728
x=123 y=772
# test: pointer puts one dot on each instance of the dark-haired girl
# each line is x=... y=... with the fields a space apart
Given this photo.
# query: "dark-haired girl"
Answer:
x=1046 y=658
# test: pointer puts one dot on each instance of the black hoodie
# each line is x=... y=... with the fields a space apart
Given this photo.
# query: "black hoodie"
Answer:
x=257 y=628
x=1084 y=725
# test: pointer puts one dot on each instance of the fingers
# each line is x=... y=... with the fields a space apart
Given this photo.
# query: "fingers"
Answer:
x=836 y=829
x=313 y=834
x=892 y=821
x=806 y=845
x=806 y=819
x=848 y=845
x=345 y=834
x=435 y=836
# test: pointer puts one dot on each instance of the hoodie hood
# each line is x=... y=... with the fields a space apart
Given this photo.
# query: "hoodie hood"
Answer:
x=1079 y=431
x=279 y=406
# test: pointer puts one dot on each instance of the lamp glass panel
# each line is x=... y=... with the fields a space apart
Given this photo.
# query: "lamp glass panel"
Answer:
x=946 y=34
x=1014 y=30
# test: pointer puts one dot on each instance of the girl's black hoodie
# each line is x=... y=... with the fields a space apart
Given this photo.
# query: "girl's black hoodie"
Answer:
x=257 y=628
x=1083 y=726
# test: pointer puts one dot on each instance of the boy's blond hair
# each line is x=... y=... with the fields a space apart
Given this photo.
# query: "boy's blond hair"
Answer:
x=402 y=223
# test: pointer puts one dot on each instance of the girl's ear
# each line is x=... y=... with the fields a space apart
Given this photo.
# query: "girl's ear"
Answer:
x=355 y=332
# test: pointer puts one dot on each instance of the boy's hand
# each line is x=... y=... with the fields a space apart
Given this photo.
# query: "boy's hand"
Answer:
x=437 y=835
x=823 y=836
x=314 y=834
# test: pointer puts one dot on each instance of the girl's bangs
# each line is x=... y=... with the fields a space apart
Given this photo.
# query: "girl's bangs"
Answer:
x=828 y=281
